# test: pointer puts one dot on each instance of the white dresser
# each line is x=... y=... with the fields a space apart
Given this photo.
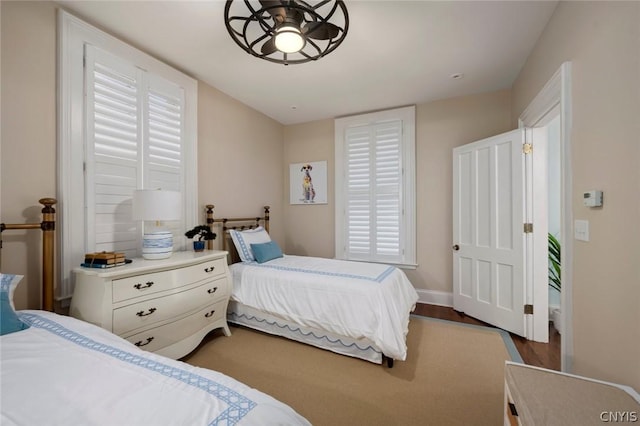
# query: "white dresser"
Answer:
x=164 y=306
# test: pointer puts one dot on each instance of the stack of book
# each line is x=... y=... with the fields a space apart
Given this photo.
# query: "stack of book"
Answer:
x=104 y=259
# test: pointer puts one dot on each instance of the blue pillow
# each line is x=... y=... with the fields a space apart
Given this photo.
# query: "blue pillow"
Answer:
x=265 y=252
x=9 y=321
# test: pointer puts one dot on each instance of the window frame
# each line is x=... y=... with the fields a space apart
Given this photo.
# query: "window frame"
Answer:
x=408 y=190
x=73 y=35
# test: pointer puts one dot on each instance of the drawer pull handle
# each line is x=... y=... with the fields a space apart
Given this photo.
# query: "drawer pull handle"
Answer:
x=212 y=290
x=210 y=314
x=146 y=285
x=142 y=314
x=140 y=344
x=209 y=269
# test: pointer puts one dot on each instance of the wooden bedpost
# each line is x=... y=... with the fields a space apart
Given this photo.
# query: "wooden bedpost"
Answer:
x=48 y=227
x=210 y=224
x=266 y=218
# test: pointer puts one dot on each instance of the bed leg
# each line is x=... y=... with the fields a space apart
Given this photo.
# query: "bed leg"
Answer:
x=389 y=361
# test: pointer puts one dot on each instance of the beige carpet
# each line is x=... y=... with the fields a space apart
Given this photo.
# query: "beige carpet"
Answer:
x=453 y=376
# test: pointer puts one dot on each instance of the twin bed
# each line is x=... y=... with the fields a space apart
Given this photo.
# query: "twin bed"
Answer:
x=352 y=308
x=78 y=373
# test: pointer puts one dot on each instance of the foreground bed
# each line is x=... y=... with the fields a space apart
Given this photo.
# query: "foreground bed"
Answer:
x=357 y=309
x=58 y=370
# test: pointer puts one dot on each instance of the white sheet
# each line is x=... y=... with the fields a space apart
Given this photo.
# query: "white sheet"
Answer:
x=63 y=371
x=354 y=299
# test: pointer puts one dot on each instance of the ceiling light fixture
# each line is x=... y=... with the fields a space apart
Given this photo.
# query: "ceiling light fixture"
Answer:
x=289 y=39
x=287 y=31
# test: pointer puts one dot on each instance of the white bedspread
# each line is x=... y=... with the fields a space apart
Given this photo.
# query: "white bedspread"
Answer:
x=354 y=299
x=62 y=371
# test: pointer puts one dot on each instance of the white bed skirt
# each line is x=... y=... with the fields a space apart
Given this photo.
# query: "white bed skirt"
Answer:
x=240 y=314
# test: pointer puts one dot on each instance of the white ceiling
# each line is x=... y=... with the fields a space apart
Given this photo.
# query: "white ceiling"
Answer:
x=396 y=53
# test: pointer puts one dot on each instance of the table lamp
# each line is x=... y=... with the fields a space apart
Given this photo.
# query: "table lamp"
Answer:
x=157 y=205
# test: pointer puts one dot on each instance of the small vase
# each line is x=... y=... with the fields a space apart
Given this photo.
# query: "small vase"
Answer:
x=198 y=246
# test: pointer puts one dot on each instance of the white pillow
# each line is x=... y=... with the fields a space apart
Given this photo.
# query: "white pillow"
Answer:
x=243 y=240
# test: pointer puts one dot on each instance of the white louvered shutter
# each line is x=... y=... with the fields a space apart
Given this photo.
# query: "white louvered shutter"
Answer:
x=113 y=152
x=373 y=179
x=163 y=154
x=163 y=166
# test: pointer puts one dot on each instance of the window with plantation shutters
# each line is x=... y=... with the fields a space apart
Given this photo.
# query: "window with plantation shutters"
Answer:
x=375 y=187
x=134 y=141
x=127 y=121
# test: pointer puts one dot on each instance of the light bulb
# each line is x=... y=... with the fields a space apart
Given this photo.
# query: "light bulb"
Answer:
x=289 y=39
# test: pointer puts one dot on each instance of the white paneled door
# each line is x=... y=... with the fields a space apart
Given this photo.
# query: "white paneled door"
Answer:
x=489 y=239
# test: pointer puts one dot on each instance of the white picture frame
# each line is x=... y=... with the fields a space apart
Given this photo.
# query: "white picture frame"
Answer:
x=308 y=183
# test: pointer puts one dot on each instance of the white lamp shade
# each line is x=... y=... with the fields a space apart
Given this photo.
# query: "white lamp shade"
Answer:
x=157 y=204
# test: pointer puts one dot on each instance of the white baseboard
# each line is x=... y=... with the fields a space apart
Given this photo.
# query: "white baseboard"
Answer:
x=433 y=297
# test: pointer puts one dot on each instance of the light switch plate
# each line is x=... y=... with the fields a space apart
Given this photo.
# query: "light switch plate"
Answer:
x=581 y=230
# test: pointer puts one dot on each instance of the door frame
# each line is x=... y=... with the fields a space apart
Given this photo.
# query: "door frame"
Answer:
x=554 y=97
x=536 y=253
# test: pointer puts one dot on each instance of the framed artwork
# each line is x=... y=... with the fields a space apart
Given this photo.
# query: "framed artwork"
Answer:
x=308 y=183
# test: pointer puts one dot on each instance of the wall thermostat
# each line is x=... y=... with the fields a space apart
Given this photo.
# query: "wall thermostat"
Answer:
x=592 y=198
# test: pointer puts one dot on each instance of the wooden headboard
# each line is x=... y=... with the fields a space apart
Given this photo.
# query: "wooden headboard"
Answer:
x=237 y=223
x=48 y=227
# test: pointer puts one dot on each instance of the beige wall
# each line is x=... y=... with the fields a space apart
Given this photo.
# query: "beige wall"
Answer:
x=309 y=230
x=601 y=39
x=440 y=126
x=28 y=135
x=239 y=160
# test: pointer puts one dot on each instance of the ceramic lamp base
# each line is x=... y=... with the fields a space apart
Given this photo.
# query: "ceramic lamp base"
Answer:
x=157 y=245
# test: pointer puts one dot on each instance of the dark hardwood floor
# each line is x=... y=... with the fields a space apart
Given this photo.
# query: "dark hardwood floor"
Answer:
x=545 y=355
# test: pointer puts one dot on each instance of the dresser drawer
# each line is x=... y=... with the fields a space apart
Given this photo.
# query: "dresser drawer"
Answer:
x=153 y=310
x=147 y=284
x=163 y=336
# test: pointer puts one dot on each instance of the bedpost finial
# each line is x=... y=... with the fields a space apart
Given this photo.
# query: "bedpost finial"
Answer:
x=266 y=217
x=210 y=224
x=48 y=214
x=48 y=204
x=47 y=201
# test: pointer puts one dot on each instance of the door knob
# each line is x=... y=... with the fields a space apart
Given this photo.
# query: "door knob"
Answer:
x=456 y=247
